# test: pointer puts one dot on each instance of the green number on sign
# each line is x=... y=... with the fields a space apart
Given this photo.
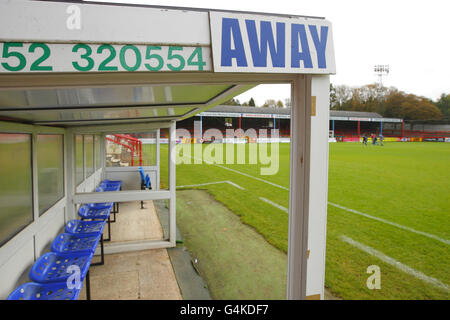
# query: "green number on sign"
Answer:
x=112 y=54
x=200 y=63
x=123 y=62
x=45 y=55
x=18 y=55
x=86 y=56
x=175 y=56
x=154 y=55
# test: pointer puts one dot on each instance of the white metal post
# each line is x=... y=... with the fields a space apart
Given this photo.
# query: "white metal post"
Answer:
x=158 y=150
x=65 y=171
x=103 y=154
x=299 y=187
x=172 y=184
x=84 y=157
x=35 y=191
x=69 y=156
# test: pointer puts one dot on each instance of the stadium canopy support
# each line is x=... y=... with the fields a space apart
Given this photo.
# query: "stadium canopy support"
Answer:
x=90 y=68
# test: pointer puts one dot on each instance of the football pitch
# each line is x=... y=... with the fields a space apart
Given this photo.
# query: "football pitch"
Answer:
x=388 y=206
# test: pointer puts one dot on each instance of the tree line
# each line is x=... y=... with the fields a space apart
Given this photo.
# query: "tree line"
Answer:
x=269 y=103
x=389 y=102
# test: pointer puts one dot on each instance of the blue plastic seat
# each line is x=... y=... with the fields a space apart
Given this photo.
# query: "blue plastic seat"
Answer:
x=112 y=181
x=142 y=173
x=47 y=291
x=85 y=227
x=71 y=243
x=110 y=188
x=80 y=227
x=145 y=182
x=111 y=185
x=148 y=183
x=86 y=212
x=101 y=205
x=112 y=206
x=52 y=267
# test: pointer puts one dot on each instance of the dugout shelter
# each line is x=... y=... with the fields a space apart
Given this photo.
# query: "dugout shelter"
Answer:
x=72 y=73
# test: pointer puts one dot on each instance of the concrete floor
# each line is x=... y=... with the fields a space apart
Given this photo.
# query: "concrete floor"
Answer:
x=133 y=223
x=145 y=274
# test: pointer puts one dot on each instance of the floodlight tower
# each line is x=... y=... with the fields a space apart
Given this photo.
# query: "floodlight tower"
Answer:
x=381 y=70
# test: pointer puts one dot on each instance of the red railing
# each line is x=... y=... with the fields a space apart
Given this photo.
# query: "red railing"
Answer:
x=416 y=134
x=131 y=143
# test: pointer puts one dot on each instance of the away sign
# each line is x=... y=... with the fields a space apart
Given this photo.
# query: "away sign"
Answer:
x=257 y=43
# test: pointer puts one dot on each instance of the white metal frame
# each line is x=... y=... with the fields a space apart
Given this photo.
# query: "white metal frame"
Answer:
x=78 y=198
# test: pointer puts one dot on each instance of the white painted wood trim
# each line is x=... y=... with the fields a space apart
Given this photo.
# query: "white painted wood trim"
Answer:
x=158 y=160
x=172 y=184
x=299 y=187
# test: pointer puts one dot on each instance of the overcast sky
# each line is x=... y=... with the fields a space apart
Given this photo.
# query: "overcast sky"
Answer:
x=411 y=36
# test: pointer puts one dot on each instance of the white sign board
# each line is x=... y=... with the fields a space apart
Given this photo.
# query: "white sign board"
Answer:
x=258 y=43
x=389 y=120
x=244 y=115
x=256 y=115
x=219 y=114
x=80 y=57
x=281 y=116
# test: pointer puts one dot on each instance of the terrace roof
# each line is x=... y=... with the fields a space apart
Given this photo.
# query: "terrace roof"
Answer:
x=287 y=111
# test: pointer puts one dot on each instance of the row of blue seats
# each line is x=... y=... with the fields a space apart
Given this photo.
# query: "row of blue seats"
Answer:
x=59 y=274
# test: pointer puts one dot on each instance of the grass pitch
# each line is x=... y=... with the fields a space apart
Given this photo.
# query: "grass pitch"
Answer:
x=404 y=183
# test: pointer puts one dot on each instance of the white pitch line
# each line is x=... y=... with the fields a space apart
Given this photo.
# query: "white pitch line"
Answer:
x=431 y=236
x=210 y=183
x=200 y=184
x=256 y=178
x=274 y=204
x=235 y=185
x=244 y=174
x=433 y=281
